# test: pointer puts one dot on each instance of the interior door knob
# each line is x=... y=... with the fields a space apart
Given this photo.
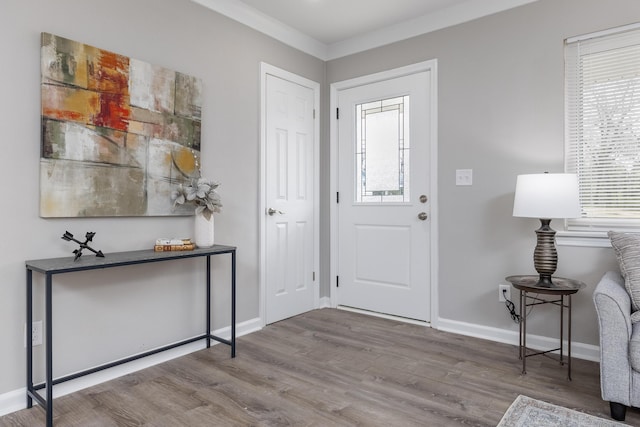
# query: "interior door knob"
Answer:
x=422 y=216
x=271 y=211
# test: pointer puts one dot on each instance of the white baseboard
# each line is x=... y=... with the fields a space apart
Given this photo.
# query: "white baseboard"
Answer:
x=325 y=302
x=13 y=401
x=16 y=399
x=578 y=349
x=537 y=342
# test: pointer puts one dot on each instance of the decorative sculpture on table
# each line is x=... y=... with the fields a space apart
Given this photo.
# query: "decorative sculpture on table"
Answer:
x=202 y=194
x=88 y=238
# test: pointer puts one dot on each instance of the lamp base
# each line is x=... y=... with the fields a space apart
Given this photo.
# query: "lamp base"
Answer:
x=545 y=256
x=545 y=281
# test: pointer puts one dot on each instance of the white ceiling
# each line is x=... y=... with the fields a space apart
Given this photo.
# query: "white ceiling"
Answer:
x=331 y=21
x=329 y=29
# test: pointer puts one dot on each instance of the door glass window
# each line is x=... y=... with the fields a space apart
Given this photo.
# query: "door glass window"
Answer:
x=382 y=151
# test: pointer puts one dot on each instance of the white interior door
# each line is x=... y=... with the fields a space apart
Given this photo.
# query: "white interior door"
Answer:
x=384 y=203
x=289 y=204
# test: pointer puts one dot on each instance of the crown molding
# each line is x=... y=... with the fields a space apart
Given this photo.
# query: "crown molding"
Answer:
x=454 y=15
x=239 y=11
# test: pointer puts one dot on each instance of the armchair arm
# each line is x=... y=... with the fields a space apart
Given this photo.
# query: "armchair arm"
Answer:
x=613 y=306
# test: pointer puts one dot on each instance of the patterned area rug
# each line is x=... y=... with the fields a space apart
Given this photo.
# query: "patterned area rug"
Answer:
x=528 y=412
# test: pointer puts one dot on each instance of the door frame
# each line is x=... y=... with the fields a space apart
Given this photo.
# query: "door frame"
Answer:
x=335 y=88
x=265 y=70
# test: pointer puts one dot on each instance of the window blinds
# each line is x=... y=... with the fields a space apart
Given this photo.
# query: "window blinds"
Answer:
x=602 y=140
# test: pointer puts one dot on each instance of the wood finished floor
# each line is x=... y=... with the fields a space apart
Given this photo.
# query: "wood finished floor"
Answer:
x=332 y=367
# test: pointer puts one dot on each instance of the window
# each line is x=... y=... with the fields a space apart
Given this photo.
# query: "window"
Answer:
x=382 y=151
x=602 y=128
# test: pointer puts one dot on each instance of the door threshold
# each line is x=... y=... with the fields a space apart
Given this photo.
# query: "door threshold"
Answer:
x=385 y=316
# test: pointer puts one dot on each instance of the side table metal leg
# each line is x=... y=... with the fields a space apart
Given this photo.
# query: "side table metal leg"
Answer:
x=523 y=319
x=561 y=329
x=569 y=340
x=520 y=326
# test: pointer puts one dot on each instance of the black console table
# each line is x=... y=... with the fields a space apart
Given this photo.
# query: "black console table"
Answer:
x=52 y=266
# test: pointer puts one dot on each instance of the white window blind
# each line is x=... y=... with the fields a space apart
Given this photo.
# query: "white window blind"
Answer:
x=602 y=141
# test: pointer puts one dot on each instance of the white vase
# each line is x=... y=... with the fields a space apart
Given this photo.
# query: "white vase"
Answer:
x=203 y=231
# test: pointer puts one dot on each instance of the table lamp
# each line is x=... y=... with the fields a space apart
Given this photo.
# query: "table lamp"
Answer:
x=546 y=196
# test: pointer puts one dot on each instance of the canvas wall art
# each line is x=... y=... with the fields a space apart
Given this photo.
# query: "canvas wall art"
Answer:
x=118 y=134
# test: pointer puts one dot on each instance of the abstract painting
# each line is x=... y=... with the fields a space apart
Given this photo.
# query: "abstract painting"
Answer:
x=118 y=134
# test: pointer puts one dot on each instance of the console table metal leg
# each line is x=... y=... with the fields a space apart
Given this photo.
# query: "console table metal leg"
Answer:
x=49 y=344
x=29 y=342
x=233 y=304
x=208 y=301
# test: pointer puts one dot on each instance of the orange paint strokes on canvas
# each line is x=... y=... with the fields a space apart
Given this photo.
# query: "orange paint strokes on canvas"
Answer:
x=65 y=103
x=114 y=111
x=109 y=110
x=109 y=77
x=109 y=72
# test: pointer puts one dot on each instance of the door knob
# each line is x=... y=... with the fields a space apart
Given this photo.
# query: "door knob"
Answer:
x=271 y=211
x=422 y=216
x=423 y=198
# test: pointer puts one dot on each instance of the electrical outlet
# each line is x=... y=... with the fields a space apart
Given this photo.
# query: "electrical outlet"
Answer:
x=464 y=176
x=36 y=333
x=504 y=293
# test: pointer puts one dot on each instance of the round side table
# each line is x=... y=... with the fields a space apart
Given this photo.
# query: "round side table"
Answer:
x=562 y=290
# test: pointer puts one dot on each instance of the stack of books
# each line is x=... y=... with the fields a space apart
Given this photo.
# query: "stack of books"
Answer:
x=164 y=245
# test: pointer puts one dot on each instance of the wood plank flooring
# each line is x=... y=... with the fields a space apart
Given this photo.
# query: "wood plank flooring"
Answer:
x=332 y=367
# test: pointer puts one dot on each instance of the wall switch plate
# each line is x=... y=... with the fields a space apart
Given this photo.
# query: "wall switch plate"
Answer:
x=464 y=176
x=504 y=293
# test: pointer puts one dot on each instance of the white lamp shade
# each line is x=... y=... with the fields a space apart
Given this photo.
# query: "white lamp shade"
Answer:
x=547 y=195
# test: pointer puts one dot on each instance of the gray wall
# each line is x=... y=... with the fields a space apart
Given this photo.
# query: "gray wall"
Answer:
x=500 y=113
x=101 y=316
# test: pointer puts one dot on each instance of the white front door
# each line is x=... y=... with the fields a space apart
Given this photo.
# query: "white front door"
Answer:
x=384 y=201
x=290 y=201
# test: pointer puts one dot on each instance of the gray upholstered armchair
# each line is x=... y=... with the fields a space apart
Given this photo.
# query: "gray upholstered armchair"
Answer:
x=619 y=345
